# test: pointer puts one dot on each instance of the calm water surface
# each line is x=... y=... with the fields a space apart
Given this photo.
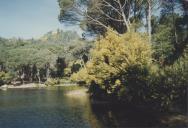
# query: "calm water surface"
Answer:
x=51 y=108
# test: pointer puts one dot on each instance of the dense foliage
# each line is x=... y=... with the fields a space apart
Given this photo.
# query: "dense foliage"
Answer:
x=113 y=59
x=122 y=68
x=5 y=78
x=38 y=60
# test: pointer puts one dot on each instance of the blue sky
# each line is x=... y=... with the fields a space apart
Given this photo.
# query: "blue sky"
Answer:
x=29 y=18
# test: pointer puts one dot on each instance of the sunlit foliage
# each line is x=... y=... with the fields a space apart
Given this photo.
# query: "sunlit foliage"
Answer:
x=112 y=58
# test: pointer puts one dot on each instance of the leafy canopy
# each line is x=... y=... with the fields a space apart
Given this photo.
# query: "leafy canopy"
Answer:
x=112 y=56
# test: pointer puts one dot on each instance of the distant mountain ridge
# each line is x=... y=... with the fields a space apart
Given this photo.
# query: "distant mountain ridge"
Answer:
x=59 y=36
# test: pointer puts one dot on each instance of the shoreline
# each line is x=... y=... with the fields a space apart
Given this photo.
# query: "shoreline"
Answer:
x=33 y=85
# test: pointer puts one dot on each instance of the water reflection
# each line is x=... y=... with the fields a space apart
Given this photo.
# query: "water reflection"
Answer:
x=51 y=108
x=115 y=116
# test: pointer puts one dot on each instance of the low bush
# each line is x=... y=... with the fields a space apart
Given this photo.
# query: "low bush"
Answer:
x=5 y=78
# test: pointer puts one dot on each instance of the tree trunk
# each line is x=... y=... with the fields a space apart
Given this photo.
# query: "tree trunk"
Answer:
x=124 y=17
x=174 y=25
x=149 y=19
x=135 y=9
x=38 y=75
x=31 y=75
x=22 y=77
x=47 y=72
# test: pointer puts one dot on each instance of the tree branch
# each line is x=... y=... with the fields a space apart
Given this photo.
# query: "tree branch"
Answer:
x=123 y=15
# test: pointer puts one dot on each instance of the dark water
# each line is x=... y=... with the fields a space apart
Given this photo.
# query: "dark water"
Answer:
x=51 y=108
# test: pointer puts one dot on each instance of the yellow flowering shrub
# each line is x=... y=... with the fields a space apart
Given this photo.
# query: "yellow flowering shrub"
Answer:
x=112 y=56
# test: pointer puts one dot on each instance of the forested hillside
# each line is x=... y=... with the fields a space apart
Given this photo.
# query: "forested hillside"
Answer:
x=37 y=60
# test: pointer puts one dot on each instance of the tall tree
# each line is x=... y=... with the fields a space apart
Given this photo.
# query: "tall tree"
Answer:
x=99 y=15
x=149 y=2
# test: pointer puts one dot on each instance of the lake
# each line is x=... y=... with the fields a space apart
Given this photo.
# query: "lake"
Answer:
x=52 y=108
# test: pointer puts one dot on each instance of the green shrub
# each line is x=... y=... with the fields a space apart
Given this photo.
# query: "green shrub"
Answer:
x=5 y=78
x=122 y=67
x=57 y=81
x=168 y=86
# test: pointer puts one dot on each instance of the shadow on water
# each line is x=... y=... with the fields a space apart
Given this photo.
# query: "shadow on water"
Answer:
x=108 y=115
x=52 y=108
x=123 y=116
x=113 y=116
